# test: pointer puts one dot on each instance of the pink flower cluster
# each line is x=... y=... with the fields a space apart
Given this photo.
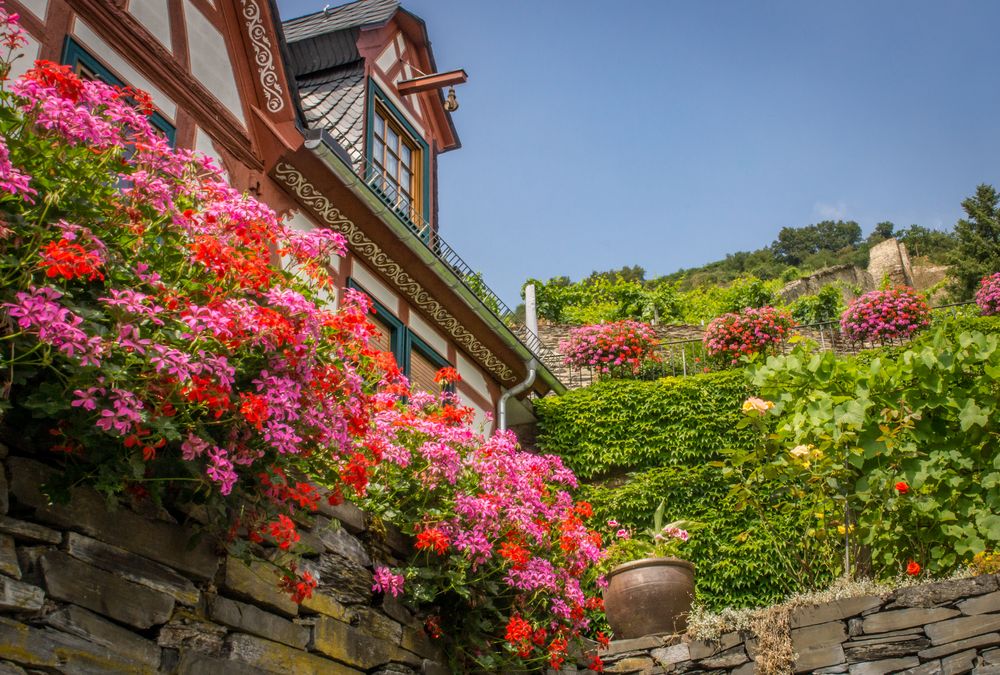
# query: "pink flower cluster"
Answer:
x=610 y=347
x=750 y=331
x=878 y=316
x=988 y=295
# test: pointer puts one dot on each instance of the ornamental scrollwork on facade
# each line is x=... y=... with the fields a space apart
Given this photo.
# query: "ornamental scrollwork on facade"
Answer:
x=263 y=55
x=360 y=243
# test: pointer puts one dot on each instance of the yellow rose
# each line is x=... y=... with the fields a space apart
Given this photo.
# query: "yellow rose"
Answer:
x=757 y=404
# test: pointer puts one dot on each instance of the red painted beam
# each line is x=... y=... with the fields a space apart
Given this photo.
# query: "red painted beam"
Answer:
x=435 y=81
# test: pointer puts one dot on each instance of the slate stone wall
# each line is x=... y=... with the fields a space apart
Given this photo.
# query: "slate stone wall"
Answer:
x=949 y=627
x=85 y=589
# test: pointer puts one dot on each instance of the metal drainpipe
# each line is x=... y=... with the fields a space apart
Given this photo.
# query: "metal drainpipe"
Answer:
x=531 y=320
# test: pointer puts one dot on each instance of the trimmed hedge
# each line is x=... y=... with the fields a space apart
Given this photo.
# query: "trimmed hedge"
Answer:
x=626 y=425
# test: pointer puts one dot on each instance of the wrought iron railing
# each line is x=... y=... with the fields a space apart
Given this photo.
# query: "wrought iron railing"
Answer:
x=403 y=209
x=685 y=357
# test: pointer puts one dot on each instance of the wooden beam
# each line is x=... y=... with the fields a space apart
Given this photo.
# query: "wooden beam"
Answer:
x=429 y=82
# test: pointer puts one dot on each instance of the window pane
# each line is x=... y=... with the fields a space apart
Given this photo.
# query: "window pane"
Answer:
x=392 y=140
x=422 y=373
x=405 y=180
x=405 y=156
x=379 y=126
x=378 y=151
x=392 y=166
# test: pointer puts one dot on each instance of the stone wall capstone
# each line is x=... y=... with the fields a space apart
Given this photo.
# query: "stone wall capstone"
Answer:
x=947 y=627
x=85 y=589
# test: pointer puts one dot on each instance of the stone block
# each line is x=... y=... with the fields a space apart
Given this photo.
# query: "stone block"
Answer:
x=321 y=603
x=17 y=596
x=8 y=668
x=68 y=579
x=4 y=498
x=986 y=670
x=130 y=566
x=275 y=657
x=748 y=668
x=195 y=663
x=832 y=670
x=884 y=666
x=667 y=656
x=60 y=652
x=929 y=668
x=416 y=640
x=929 y=595
x=33 y=533
x=832 y=611
x=92 y=628
x=990 y=657
x=958 y=663
x=341 y=578
x=338 y=540
x=982 y=604
x=189 y=632
x=258 y=583
x=906 y=618
x=249 y=619
x=8 y=557
x=640 y=665
x=87 y=511
x=636 y=644
x=820 y=635
x=736 y=656
x=377 y=624
x=875 y=651
x=824 y=656
x=354 y=646
x=349 y=515
x=962 y=627
x=961 y=645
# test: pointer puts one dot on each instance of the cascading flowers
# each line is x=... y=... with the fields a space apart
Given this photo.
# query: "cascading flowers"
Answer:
x=751 y=331
x=880 y=316
x=988 y=295
x=610 y=348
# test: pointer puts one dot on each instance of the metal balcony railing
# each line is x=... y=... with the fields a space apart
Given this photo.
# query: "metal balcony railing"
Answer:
x=409 y=216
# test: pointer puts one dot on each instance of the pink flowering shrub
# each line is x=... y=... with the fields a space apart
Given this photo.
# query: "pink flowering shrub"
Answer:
x=877 y=316
x=156 y=347
x=752 y=331
x=988 y=295
x=610 y=348
x=484 y=515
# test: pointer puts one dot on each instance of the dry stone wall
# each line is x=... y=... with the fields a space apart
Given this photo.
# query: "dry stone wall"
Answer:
x=85 y=589
x=949 y=627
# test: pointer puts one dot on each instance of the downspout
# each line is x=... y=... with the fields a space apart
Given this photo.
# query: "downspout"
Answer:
x=531 y=319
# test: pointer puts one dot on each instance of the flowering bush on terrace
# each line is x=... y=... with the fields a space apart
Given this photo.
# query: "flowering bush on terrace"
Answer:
x=890 y=314
x=608 y=348
x=151 y=337
x=752 y=331
x=504 y=556
x=988 y=295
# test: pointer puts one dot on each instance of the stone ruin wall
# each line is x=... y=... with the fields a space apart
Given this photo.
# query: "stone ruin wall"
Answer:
x=87 y=590
x=948 y=627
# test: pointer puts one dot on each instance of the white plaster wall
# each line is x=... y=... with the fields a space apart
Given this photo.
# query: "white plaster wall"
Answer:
x=25 y=59
x=107 y=55
x=472 y=376
x=210 y=61
x=374 y=285
x=155 y=16
x=387 y=58
x=36 y=7
x=203 y=144
x=482 y=420
x=428 y=334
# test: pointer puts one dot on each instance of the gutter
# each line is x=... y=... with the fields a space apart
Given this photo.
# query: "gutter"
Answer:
x=327 y=150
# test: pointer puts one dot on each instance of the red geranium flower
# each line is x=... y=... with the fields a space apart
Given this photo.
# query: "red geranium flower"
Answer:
x=913 y=568
x=902 y=488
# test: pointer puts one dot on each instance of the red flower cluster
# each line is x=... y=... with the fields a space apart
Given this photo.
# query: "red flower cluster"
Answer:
x=902 y=488
x=750 y=331
x=913 y=568
x=434 y=539
x=300 y=587
x=70 y=261
x=447 y=375
x=283 y=531
x=609 y=347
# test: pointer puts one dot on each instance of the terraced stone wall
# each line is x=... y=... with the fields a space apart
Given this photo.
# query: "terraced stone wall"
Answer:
x=949 y=627
x=85 y=589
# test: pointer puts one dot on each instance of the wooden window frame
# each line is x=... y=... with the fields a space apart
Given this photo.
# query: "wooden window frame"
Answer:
x=75 y=56
x=414 y=191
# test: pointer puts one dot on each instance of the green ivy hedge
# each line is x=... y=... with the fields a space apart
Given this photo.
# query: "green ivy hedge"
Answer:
x=624 y=425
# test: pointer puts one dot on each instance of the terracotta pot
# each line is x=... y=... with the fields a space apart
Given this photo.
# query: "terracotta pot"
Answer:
x=649 y=596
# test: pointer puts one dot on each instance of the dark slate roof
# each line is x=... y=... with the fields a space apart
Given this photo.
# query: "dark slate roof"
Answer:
x=352 y=15
x=334 y=100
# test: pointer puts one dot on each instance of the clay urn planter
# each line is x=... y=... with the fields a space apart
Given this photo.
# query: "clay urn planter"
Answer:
x=649 y=596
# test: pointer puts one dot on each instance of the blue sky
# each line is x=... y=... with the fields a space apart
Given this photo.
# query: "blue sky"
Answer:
x=666 y=134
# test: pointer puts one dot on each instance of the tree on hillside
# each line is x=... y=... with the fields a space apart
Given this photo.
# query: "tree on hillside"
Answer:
x=795 y=244
x=923 y=242
x=626 y=273
x=977 y=250
x=882 y=231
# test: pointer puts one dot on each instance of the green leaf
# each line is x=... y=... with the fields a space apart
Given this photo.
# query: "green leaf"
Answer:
x=971 y=414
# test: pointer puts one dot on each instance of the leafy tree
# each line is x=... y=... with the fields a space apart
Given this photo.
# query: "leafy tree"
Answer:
x=922 y=242
x=795 y=244
x=977 y=250
x=882 y=231
x=626 y=273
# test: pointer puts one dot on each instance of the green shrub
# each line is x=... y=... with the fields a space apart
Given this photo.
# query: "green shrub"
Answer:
x=623 y=425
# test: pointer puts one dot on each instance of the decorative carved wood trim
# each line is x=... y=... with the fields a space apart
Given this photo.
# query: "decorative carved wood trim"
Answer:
x=360 y=244
x=263 y=53
x=118 y=27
